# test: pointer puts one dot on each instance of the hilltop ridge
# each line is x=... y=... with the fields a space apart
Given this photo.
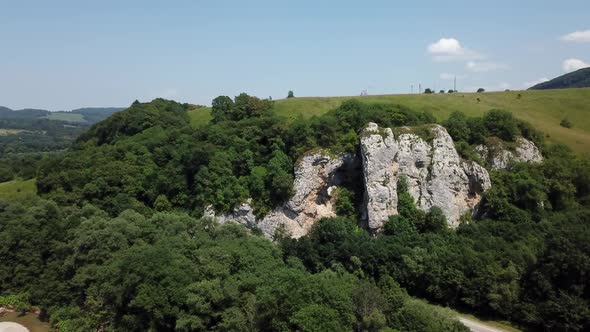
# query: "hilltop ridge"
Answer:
x=543 y=109
x=577 y=79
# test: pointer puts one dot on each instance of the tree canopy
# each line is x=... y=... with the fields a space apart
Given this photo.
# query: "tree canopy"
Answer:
x=117 y=241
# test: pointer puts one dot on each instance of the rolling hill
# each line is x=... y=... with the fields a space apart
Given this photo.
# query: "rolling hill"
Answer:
x=577 y=79
x=543 y=109
x=89 y=115
x=36 y=130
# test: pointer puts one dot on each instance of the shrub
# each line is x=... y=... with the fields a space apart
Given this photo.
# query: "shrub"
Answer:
x=5 y=174
x=501 y=124
x=566 y=123
x=162 y=204
x=18 y=302
x=457 y=126
x=345 y=202
x=434 y=221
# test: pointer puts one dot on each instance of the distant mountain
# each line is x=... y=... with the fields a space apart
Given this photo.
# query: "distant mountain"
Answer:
x=29 y=113
x=96 y=114
x=34 y=130
x=88 y=115
x=577 y=79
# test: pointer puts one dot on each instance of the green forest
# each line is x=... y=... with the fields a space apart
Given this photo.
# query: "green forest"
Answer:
x=29 y=135
x=116 y=239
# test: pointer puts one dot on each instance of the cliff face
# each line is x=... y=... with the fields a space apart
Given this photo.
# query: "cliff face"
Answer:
x=500 y=156
x=316 y=177
x=378 y=152
x=425 y=156
x=435 y=173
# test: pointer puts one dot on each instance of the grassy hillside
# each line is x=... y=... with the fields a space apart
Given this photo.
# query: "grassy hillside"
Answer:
x=17 y=190
x=30 y=130
x=542 y=108
x=66 y=116
x=200 y=116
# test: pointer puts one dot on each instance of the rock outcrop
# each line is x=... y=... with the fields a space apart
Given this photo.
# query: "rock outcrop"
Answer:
x=499 y=155
x=242 y=214
x=315 y=179
x=436 y=175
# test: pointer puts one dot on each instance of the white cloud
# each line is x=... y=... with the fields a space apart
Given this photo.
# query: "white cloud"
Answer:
x=450 y=49
x=570 y=65
x=535 y=82
x=578 y=37
x=482 y=67
x=446 y=46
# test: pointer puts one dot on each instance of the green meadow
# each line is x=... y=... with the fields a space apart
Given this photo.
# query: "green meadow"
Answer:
x=65 y=116
x=18 y=190
x=544 y=109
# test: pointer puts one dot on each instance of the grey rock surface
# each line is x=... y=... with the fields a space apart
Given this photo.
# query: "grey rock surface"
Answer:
x=378 y=152
x=243 y=214
x=435 y=173
x=499 y=156
x=315 y=179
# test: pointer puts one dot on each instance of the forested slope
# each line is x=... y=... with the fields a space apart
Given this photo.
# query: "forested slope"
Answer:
x=116 y=241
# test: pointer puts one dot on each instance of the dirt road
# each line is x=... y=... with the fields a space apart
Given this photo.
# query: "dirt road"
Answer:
x=478 y=326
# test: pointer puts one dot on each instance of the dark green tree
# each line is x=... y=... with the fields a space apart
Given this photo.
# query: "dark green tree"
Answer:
x=221 y=108
x=501 y=124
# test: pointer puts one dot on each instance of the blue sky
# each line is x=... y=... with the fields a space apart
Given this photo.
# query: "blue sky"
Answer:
x=60 y=55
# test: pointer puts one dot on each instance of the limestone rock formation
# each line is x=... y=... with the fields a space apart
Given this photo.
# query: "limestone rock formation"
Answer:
x=436 y=175
x=499 y=155
x=378 y=151
x=315 y=179
x=243 y=214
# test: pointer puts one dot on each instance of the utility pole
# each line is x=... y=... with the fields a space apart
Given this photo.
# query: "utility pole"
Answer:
x=455 y=84
x=419 y=87
x=412 y=88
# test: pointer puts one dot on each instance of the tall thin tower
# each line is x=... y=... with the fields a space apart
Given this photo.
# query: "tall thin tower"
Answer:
x=455 y=85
